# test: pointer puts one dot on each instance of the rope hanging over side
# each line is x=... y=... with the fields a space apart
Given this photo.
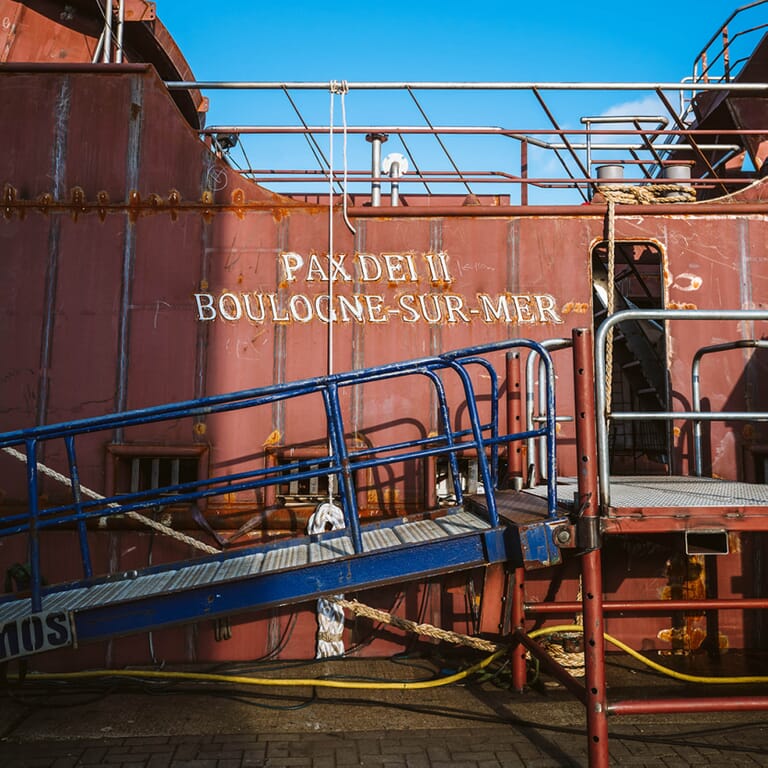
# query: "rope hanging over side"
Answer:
x=330 y=615
x=342 y=89
x=148 y=521
x=610 y=300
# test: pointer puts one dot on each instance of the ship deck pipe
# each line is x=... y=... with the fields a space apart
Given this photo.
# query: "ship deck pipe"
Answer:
x=376 y=140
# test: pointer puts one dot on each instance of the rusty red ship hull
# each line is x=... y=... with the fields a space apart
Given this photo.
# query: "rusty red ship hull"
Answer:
x=141 y=268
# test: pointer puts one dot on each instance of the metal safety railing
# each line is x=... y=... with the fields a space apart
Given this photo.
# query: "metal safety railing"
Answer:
x=696 y=389
x=604 y=413
x=721 y=58
x=435 y=157
x=482 y=437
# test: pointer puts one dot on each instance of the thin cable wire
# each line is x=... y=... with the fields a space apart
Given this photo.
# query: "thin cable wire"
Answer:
x=333 y=89
x=344 y=90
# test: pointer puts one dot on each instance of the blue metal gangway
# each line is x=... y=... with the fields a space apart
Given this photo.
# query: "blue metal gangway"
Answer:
x=461 y=535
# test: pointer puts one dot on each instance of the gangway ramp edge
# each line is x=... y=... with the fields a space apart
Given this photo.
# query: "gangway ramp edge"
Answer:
x=457 y=535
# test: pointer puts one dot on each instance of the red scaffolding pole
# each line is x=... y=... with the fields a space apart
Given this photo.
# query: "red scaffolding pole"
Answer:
x=588 y=538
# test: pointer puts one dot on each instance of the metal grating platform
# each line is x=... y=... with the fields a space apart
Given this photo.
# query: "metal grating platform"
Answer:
x=656 y=491
x=659 y=504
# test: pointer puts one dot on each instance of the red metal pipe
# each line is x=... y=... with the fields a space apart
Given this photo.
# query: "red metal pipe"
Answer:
x=675 y=706
x=582 y=211
x=430 y=482
x=591 y=564
x=552 y=667
x=651 y=606
x=514 y=414
x=595 y=210
x=517 y=616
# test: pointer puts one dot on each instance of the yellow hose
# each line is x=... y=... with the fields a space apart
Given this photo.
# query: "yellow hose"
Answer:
x=365 y=685
x=652 y=664
x=240 y=680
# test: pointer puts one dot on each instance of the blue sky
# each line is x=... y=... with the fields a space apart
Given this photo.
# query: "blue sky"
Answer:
x=436 y=41
x=446 y=40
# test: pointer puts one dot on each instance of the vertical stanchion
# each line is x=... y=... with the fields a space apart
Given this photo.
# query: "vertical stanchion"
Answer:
x=517 y=595
x=588 y=539
x=514 y=417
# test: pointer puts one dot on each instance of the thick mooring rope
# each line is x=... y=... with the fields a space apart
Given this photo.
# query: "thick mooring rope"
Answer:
x=651 y=194
x=138 y=517
x=425 y=630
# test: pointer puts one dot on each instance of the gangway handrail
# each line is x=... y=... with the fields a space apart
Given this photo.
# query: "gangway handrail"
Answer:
x=602 y=407
x=340 y=462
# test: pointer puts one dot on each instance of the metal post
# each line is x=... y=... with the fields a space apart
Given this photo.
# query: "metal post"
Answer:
x=518 y=624
x=588 y=123
x=523 y=171
x=396 y=165
x=514 y=415
x=376 y=140
x=346 y=489
x=394 y=173
x=34 y=532
x=82 y=530
x=592 y=580
x=120 y=31
x=107 y=31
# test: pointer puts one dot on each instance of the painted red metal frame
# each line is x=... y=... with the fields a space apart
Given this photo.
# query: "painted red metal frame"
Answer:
x=590 y=528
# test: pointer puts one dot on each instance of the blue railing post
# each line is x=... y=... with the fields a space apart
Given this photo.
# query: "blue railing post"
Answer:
x=340 y=459
x=477 y=433
x=82 y=530
x=445 y=417
x=494 y=423
x=34 y=533
x=551 y=433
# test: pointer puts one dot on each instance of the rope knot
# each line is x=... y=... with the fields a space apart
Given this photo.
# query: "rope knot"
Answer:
x=339 y=86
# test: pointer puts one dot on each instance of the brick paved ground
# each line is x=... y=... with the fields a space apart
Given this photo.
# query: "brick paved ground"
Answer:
x=484 y=747
x=479 y=725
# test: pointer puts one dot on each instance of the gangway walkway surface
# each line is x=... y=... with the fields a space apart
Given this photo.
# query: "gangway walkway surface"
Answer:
x=295 y=570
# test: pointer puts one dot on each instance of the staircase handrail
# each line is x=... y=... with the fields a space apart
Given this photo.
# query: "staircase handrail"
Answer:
x=724 y=52
x=603 y=413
